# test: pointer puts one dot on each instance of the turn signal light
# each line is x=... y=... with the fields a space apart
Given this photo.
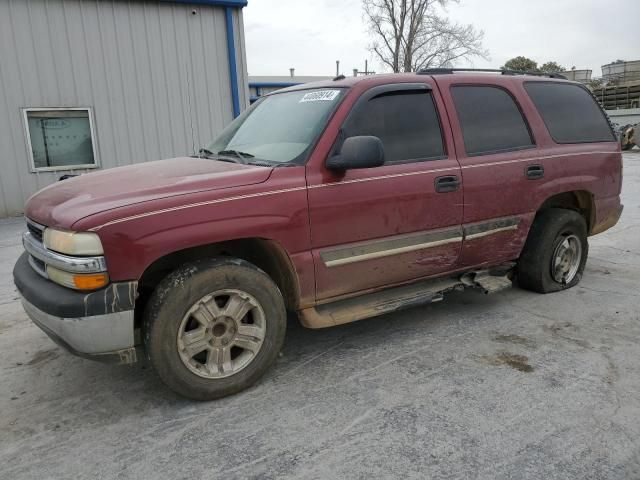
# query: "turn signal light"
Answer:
x=91 y=282
x=78 y=281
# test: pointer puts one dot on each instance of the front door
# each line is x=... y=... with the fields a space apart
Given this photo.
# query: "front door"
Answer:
x=380 y=226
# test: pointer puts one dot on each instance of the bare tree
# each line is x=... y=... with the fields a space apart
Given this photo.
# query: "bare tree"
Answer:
x=413 y=34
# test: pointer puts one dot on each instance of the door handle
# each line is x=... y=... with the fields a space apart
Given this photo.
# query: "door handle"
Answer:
x=448 y=183
x=533 y=172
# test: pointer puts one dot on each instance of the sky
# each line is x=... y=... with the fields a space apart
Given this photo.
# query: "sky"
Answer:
x=310 y=35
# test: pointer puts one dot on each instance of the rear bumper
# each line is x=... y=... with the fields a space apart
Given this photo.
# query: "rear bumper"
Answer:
x=608 y=212
x=97 y=325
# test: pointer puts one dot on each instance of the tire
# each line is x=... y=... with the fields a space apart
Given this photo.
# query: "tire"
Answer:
x=188 y=311
x=551 y=231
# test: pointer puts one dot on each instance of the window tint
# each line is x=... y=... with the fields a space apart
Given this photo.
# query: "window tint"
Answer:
x=405 y=121
x=490 y=120
x=570 y=113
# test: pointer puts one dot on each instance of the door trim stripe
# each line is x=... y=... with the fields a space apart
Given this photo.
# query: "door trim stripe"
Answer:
x=382 y=177
x=482 y=229
x=385 y=247
x=198 y=204
x=389 y=246
x=309 y=187
x=530 y=159
x=490 y=232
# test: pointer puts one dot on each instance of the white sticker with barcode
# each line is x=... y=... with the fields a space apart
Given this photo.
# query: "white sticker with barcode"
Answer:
x=320 y=96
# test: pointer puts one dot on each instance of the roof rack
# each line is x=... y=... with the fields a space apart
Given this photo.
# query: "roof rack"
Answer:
x=445 y=71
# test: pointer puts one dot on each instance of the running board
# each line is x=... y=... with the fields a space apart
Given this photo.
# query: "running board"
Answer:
x=397 y=298
x=486 y=282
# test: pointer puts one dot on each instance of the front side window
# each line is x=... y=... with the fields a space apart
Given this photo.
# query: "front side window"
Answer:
x=405 y=121
x=490 y=119
x=60 y=139
x=570 y=113
x=279 y=128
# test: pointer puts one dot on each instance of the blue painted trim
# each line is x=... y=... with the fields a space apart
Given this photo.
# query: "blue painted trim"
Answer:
x=233 y=67
x=273 y=84
x=214 y=3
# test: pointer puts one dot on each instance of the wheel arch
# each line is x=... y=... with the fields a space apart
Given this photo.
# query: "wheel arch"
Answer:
x=268 y=255
x=579 y=200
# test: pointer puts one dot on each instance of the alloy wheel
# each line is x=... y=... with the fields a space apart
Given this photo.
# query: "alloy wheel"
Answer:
x=221 y=334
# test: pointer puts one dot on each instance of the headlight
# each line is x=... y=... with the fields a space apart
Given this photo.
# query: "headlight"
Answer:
x=71 y=243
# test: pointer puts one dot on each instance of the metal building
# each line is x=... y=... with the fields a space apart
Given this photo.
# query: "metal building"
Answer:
x=582 y=76
x=620 y=92
x=90 y=84
x=621 y=72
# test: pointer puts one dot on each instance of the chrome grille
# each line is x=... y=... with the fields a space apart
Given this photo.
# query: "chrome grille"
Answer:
x=35 y=232
x=35 y=229
x=38 y=265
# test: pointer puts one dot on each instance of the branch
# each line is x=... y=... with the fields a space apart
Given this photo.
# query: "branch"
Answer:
x=413 y=33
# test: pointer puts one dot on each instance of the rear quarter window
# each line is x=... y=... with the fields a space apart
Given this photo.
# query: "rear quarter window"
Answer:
x=570 y=113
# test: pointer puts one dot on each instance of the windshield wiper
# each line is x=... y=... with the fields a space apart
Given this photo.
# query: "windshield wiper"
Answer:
x=262 y=163
x=242 y=156
x=237 y=153
x=203 y=152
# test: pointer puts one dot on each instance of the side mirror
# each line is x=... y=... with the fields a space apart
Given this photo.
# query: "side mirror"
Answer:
x=358 y=152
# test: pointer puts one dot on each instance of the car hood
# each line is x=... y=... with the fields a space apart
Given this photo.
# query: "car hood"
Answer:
x=65 y=202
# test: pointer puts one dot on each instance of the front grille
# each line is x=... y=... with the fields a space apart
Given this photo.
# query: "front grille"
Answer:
x=35 y=230
x=39 y=263
x=39 y=266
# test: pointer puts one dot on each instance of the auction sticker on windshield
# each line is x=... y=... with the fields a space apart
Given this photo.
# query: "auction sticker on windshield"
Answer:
x=320 y=95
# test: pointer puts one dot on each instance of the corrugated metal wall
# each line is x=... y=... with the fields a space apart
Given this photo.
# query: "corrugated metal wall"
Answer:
x=155 y=74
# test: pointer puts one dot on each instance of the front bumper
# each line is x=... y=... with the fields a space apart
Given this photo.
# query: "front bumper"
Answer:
x=97 y=325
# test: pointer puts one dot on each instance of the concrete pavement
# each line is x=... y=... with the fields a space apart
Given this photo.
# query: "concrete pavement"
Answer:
x=512 y=385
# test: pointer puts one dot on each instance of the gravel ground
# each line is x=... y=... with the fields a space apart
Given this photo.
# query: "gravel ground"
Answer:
x=512 y=385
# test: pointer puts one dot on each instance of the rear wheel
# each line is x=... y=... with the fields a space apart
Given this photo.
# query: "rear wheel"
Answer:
x=555 y=253
x=213 y=327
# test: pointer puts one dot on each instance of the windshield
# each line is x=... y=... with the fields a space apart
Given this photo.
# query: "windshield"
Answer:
x=279 y=128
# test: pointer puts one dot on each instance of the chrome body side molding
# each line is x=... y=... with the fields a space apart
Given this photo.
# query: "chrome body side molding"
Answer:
x=389 y=246
x=384 y=247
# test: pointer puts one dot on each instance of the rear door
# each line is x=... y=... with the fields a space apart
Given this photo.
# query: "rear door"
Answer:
x=500 y=164
x=381 y=226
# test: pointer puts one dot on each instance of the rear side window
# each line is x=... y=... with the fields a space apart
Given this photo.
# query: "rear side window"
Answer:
x=490 y=119
x=570 y=113
x=405 y=121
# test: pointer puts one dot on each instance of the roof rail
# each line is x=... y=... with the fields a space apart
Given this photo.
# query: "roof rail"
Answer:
x=444 y=71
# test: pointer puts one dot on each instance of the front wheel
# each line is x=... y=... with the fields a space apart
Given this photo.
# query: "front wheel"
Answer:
x=555 y=253
x=213 y=327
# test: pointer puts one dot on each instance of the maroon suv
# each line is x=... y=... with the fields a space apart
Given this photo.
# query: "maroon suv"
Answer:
x=338 y=200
